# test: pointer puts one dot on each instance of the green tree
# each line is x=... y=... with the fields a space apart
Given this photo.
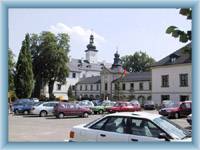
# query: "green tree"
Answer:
x=11 y=66
x=184 y=36
x=50 y=56
x=138 y=62
x=69 y=92
x=24 y=75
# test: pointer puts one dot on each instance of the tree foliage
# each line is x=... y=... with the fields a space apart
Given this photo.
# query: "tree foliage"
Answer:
x=184 y=36
x=138 y=62
x=24 y=75
x=50 y=56
x=11 y=67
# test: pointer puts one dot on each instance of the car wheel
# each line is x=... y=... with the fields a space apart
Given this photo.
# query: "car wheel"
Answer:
x=100 y=111
x=176 y=115
x=26 y=112
x=16 y=112
x=85 y=114
x=43 y=113
x=61 y=115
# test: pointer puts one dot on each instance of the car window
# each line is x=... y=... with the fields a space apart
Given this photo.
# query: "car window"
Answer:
x=187 y=105
x=47 y=104
x=142 y=127
x=99 y=124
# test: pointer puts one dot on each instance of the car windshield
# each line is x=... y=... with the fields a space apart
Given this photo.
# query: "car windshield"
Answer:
x=37 y=103
x=171 y=128
x=171 y=104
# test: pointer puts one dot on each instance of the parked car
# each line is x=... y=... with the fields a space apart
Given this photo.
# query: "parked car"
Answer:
x=70 y=109
x=189 y=119
x=97 y=102
x=165 y=103
x=44 y=108
x=129 y=127
x=122 y=106
x=86 y=103
x=149 y=105
x=177 y=109
x=100 y=109
x=23 y=101
x=22 y=108
x=136 y=103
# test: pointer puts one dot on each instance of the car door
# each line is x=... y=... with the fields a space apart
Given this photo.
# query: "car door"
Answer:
x=143 y=130
x=113 y=130
x=51 y=107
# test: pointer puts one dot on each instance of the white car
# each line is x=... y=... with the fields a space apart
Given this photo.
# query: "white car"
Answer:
x=44 y=108
x=129 y=127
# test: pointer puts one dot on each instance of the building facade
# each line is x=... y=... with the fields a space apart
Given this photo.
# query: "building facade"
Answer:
x=115 y=84
x=172 y=77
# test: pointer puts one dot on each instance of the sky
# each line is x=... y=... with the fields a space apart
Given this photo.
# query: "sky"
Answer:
x=125 y=30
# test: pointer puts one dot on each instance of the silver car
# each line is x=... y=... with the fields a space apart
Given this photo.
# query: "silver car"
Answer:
x=44 y=109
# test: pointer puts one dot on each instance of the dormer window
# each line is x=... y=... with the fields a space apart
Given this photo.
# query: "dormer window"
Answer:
x=173 y=59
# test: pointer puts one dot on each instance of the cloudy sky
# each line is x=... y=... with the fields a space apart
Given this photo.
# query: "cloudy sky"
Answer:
x=128 y=30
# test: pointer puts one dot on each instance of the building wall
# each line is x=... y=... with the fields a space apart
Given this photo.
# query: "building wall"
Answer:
x=91 y=56
x=82 y=93
x=135 y=93
x=174 y=89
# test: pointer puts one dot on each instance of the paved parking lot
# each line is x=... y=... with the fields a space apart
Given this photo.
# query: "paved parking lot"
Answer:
x=33 y=128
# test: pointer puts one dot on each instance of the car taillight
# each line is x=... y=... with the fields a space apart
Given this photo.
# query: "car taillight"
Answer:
x=72 y=134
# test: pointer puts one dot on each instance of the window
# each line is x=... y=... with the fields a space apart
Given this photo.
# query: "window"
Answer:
x=73 y=75
x=112 y=124
x=165 y=81
x=59 y=87
x=73 y=87
x=173 y=59
x=150 y=85
x=143 y=127
x=123 y=86
x=116 y=86
x=183 y=80
x=106 y=86
x=165 y=97
x=141 y=86
x=81 y=87
x=132 y=86
x=97 y=87
x=184 y=97
x=91 y=87
x=86 y=87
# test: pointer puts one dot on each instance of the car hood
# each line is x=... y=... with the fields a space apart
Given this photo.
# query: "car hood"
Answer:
x=174 y=108
x=184 y=140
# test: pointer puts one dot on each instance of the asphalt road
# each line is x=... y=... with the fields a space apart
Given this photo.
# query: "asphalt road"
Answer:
x=49 y=129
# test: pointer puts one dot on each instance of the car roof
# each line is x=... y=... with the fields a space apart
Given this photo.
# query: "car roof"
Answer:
x=136 y=114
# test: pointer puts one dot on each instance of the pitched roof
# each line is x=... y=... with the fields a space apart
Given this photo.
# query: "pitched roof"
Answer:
x=90 y=80
x=136 y=76
x=77 y=65
x=181 y=57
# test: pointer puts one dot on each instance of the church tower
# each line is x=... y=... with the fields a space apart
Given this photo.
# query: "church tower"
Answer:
x=91 y=52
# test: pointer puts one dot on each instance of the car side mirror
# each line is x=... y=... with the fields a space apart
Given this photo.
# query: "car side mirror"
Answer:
x=163 y=136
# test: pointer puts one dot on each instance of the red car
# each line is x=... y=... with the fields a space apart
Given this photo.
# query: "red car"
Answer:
x=177 y=109
x=122 y=107
x=70 y=109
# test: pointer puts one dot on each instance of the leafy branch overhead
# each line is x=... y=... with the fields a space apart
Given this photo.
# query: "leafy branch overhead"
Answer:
x=184 y=36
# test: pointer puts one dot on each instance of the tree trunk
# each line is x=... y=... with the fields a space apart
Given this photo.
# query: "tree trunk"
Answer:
x=37 y=87
x=51 y=84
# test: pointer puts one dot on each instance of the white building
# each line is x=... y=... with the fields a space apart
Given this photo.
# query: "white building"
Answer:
x=172 y=77
x=78 y=69
x=131 y=85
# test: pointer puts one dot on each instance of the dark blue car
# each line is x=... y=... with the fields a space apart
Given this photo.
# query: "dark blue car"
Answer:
x=22 y=106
